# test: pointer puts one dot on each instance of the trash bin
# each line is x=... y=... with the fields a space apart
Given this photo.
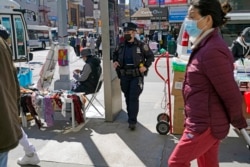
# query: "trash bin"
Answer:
x=171 y=47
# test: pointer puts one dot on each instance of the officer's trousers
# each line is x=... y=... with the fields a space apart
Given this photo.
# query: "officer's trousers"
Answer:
x=132 y=88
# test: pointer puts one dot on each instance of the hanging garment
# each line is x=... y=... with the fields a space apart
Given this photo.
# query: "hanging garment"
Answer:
x=27 y=105
x=48 y=111
x=77 y=108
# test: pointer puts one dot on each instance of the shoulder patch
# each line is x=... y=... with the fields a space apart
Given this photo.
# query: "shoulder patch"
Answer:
x=145 y=47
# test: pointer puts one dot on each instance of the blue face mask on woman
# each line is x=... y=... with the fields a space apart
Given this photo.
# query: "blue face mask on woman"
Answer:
x=192 y=28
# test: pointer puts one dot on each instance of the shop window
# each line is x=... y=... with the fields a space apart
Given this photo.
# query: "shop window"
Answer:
x=240 y=5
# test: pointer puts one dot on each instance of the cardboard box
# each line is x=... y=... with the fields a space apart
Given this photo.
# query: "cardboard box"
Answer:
x=178 y=115
x=177 y=83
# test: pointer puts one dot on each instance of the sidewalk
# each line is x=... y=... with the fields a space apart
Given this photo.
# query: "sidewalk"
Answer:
x=104 y=144
x=112 y=144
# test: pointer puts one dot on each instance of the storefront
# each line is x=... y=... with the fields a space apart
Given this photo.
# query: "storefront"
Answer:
x=176 y=17
x=153 y=19
x=142 y=19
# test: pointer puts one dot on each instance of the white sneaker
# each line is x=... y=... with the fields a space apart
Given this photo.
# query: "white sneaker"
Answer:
x=29 y=160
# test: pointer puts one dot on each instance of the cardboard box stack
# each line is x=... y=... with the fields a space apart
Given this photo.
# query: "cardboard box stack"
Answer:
x=178 y=109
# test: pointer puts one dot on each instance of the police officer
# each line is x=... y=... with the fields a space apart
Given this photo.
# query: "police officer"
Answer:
x=131 y=59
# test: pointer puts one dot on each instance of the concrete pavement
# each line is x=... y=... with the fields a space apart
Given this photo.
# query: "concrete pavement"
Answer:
x=111 y=144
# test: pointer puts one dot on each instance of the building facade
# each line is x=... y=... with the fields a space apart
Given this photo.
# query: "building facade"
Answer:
x=46 y=12
x=82 y=14
x=31 y=5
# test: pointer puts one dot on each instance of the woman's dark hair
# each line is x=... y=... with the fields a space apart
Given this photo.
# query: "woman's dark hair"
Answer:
x=214 y=8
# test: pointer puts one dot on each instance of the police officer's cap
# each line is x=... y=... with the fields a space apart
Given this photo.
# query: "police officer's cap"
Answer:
x=85 y=52
x=129 y=26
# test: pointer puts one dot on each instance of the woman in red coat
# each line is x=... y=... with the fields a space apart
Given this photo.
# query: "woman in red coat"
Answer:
x=211 y=96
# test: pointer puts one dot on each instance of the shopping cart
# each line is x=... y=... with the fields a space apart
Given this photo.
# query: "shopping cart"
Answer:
x=164 y=122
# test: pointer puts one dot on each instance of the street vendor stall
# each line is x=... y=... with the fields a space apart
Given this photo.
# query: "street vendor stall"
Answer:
x=43 y=105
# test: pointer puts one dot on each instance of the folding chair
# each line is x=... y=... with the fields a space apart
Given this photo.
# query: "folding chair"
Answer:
x=93 y=96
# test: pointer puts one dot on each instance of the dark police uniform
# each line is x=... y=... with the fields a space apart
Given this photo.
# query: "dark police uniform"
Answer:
x=131 y=56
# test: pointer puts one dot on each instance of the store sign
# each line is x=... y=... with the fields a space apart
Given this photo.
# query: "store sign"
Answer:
x=166 y=2
x=145 y=13
x=161 y=2
x=159 y=13
x=152 y=2
x=177 y=14
x=53 y=18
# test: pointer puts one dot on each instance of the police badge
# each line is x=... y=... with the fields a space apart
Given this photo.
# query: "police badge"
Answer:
x=145 y=47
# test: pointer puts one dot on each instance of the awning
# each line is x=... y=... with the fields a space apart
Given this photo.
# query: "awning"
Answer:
x=142 y=14
x=152 y=13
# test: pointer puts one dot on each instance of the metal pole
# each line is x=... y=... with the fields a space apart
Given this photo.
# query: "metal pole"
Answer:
x=64 y=81
x=112 y=91
x=159 y=16
x=62 y=24
x=129 y=6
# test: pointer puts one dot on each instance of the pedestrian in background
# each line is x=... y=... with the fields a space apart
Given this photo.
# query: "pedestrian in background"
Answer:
x=92 y=45
x=99 y=46
x=10 y=130
x=77 y=45
x=84 y=41
x=72 y=41
x=240 y=49
x=120 y=37
x=211 y=96
x=132 y=59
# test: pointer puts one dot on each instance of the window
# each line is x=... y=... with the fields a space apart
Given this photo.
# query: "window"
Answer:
x=240 y=5
x=7 y=24
x=20 y=36
x=31 y=1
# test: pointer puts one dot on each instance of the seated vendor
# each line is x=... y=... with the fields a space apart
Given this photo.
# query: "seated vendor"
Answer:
x=86 y=80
